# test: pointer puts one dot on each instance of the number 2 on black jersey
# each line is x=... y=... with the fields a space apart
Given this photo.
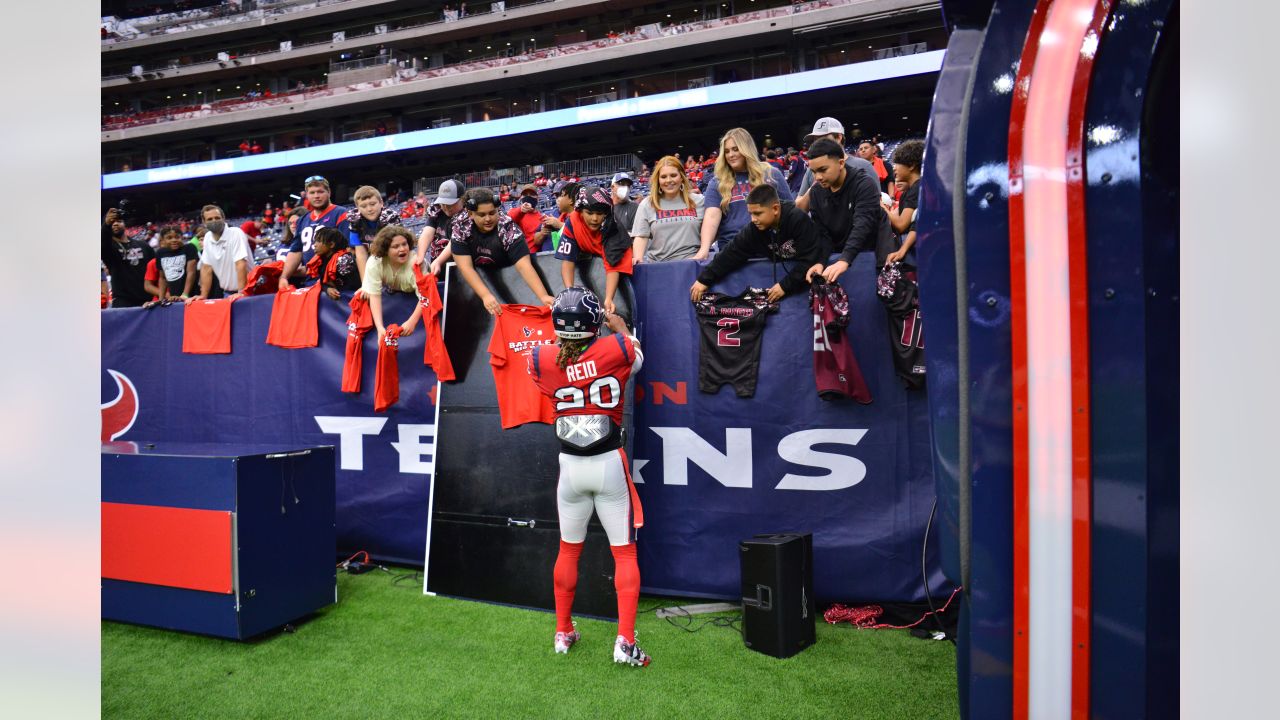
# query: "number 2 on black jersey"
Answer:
x=728 y=329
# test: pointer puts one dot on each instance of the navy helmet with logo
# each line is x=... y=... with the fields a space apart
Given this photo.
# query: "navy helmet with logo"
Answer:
x=576 y=314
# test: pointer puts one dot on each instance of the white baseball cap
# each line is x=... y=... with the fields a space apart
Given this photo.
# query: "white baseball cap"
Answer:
x=824 y=126
x=449 y=192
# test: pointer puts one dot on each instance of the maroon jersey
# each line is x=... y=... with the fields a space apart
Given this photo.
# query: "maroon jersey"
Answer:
x=835 y=369
x=591 y=385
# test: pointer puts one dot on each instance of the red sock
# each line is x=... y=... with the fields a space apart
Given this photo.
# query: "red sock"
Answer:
x=626 y=580
x=565 y=579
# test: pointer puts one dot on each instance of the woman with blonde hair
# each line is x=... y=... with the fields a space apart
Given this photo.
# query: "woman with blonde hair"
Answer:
x=738 y=169
x=668 y=224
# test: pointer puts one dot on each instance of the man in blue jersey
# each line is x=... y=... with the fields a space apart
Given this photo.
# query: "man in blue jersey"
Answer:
x=322 y=214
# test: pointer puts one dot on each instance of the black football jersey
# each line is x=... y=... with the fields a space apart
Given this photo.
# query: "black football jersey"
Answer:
x=731 y=326
x=896 y=286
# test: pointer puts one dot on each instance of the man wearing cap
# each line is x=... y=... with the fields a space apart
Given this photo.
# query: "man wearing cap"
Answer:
x=322 y=213
x=526 y=215
x=869 y=151
x=624 y=211
x=435 y=236
x=828 y=127
x=846 y=208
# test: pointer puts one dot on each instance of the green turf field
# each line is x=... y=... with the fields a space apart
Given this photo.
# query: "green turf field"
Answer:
x=386 y=650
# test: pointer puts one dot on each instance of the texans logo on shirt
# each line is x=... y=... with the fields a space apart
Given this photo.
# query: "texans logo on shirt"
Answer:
x=787 y=250
x=527 y=331
x=133 y=255
x=482 y=256
x=740 y=191
x=675 y=214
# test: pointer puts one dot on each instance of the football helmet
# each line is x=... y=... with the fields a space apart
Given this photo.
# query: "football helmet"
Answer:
x=576 y=314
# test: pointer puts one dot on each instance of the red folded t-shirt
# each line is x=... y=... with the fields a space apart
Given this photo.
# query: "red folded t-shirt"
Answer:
x=386 y=386
x=359 y=322
x=293 y=318
x=206 y=327
x=434 y=354
x=263 y=278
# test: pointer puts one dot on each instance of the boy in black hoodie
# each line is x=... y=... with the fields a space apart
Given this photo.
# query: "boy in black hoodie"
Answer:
x=778 y=231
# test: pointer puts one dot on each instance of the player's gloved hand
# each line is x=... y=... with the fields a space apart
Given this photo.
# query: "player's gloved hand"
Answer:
x=695 y=292
x=492 y=306
x=835 y=270
x=775 y=293
x=615 y=323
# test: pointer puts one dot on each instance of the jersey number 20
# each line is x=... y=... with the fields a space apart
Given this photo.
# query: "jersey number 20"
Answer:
x=571 y=397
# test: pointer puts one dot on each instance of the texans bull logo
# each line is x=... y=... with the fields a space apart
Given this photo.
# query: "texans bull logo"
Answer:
x=119 y=414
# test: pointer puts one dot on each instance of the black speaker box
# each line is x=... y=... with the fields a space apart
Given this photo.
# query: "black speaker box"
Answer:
x=778 y=609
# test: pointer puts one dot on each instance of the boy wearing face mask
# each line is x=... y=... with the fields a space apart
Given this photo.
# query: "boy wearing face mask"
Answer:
x=484 y=237
x=526 y=215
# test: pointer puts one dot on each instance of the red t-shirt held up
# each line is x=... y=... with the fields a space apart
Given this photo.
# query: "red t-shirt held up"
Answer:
x=206 y=327
x=434 y=354
x=293 y=318
x=359 y=322
x=515 y=333
x=386 y=385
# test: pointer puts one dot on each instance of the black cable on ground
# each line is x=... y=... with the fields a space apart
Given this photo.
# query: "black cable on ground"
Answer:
x=733 y=623
x=924 y=572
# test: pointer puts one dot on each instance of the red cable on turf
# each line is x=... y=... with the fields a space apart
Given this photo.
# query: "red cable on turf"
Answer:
x=864 y=617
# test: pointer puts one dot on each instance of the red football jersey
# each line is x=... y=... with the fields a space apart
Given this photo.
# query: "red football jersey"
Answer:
x=386 y=385
x=516 y=332
x=206 y=327
x=293 y=318
x=359 y=322
x=433 y=353
x=591 y=385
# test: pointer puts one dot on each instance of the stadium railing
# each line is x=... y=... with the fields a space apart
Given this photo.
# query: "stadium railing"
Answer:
x=488 y=9
x=188 y=111
x=167 y=23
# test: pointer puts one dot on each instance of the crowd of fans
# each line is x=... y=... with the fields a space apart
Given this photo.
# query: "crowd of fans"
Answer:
x=800 y=208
